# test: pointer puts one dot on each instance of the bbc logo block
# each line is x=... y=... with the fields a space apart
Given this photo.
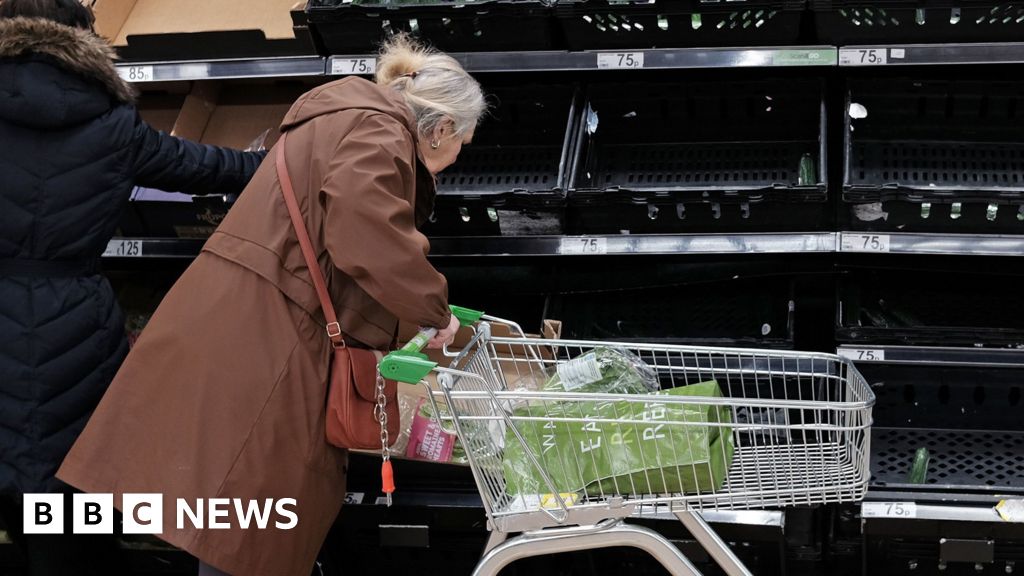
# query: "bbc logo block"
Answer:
x=144 y=513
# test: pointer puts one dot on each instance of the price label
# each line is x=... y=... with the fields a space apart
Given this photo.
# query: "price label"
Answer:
x=865 y=243
x=620 y=60
x=348 y=66
x=136 y=73
x=888 y=510
x=863 y=56
x=123 y=249
x=585 y=246
x=862 y=354
x=354 y=498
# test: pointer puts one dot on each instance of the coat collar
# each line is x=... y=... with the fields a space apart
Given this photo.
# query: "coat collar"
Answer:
x=79 y=51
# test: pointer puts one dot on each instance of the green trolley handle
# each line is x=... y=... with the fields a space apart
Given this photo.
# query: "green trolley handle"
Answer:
x=409 y=364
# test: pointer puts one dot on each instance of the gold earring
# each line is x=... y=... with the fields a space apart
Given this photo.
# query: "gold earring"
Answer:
x=435 y=144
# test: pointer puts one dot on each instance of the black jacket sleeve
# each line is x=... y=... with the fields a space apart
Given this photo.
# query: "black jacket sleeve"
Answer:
x=169 y=163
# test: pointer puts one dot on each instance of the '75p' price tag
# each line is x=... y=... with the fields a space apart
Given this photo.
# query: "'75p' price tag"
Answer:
x=136 y=73
x=346 y=66
x=584 y=246
x=620 y=60
x=888 y=510
x=862 y=354
x=863 y=56
x=866 y=243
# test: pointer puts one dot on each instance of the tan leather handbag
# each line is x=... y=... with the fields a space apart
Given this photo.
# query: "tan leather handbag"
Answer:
x=362 y=407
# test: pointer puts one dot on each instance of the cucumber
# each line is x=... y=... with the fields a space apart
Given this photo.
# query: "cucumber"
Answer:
x=919 y=471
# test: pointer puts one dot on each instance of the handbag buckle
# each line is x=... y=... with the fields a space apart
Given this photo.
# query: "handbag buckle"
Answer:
x=334 y=331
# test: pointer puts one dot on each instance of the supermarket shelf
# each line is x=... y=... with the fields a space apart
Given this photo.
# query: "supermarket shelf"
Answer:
x=635 y=244
x=942 y=244
x=540 y=245
x=918 y=54
x=557 y=61
x=987 y=357
x=142 y=72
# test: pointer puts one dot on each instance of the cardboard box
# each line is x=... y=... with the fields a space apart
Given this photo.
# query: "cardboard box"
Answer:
x=232 y=115
x=163 y=30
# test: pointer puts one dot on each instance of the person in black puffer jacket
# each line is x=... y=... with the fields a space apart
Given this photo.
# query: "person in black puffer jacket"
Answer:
x=73 y=146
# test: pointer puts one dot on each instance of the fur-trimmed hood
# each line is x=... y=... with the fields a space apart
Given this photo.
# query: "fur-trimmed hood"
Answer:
x=75 y=50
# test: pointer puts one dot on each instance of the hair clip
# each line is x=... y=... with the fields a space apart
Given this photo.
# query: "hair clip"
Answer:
x=410 y=75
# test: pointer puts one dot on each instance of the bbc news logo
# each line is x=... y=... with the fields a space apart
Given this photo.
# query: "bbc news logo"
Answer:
x=144 y=514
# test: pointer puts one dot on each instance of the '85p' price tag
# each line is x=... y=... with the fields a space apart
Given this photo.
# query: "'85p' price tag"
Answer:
x=136 y=73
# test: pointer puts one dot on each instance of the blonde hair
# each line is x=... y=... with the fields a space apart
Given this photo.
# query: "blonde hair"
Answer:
x=435 y=85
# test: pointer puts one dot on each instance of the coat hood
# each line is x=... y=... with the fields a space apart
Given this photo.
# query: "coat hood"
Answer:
x=53 y=75
x=354 y=93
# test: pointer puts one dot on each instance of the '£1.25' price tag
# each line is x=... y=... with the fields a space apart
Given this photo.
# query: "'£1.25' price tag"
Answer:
x=123 y=249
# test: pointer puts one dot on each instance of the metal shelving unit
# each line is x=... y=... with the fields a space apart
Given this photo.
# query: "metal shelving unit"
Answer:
x=766 y=243
x=931 y=54
x=543 y=245
x=556 y=61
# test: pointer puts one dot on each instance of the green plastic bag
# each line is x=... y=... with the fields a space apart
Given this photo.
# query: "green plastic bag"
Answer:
x=608 y=458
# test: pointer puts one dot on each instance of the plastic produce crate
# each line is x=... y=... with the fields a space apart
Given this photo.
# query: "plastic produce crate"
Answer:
x=346 y=27
x=511 y=180
x=968 y=417
x=589 y=24
x=935 y=156
x=699 y=157
x=931 y=309
x=749 y=312
x=846 y=22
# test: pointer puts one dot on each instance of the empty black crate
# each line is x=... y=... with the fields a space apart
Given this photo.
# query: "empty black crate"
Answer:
x=845 y=22
x=748 y=312
x=935 y=155
x=968 y=418
x=931 y=309
x=510 y=180
x=589 y=24
x=699 y=157
x=485 y=25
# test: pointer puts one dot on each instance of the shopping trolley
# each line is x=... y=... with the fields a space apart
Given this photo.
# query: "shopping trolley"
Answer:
x=799 y=425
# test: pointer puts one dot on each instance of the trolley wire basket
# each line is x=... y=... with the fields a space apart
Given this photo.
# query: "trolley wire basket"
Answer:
x=786 y=429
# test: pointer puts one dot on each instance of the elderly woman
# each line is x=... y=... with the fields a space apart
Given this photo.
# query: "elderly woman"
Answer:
x=224 y=394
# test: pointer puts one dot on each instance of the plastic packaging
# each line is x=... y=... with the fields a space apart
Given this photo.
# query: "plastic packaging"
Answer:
x=604 y=370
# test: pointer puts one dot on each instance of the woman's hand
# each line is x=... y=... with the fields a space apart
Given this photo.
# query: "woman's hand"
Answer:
x=445 y=336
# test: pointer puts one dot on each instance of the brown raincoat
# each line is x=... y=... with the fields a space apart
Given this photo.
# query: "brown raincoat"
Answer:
x=223 y=396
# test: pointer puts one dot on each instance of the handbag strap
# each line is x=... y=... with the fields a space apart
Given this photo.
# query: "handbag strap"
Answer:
x=333 y=327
